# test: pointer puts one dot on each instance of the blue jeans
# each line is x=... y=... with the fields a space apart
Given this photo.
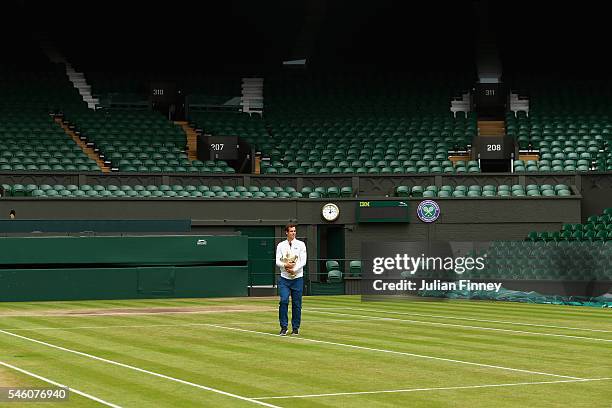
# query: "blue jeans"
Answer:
x=293 y=287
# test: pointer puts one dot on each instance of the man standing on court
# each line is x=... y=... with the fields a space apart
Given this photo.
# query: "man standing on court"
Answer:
x=290 y=258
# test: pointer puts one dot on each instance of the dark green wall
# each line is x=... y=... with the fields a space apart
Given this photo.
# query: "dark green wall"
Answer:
x=122 y=267
x=595 y=187
x=461 y=219
x=276 y=212
x=52 y=225
x=123 y=250
x=262 y=250
x=122 y=283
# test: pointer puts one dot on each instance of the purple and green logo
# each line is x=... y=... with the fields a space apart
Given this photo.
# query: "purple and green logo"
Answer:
x=428 y=211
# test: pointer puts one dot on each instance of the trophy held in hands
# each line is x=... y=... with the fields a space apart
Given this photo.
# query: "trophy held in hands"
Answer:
x=289 y=260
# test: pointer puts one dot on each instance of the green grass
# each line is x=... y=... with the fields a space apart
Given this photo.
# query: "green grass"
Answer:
x=358 y=347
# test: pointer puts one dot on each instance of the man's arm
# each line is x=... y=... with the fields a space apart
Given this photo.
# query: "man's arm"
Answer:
x=302 y=258
x=279 y=255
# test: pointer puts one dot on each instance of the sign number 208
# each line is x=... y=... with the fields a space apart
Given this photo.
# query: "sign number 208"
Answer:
x=494 y=148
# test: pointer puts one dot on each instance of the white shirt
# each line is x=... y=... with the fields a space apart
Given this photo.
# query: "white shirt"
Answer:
x=284 y=250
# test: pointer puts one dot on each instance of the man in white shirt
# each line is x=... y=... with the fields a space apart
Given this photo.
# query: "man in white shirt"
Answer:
x=290 y=258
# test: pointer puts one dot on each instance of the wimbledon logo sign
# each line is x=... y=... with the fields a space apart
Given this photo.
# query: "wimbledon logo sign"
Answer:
x=428 y=211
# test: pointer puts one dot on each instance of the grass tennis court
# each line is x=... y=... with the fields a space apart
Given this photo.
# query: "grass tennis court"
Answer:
x=226 y=353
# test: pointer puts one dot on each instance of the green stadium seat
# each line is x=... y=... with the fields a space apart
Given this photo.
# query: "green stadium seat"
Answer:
x=331 y=265
x=333 y=192
x=355 y=268
x=334 y=276
x=577 y=235
x=18 y=190
x=321 y=190
x=402 y=191
x=601 y=235
x=346 y=191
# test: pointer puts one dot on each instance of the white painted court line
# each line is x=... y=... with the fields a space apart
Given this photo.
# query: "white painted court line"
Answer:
x=430 y=389
x=472 y=327
x=139 y=313
x=461 y=318
x=363 y=318
x=128 y=326
x=394 y=352
x=81 y=393
x=166 y=377
x=310 y=309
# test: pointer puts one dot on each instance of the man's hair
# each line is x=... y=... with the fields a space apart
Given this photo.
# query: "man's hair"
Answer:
x=290 y=226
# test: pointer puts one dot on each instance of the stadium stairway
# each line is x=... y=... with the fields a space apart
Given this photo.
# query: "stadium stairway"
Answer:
x=86 y=149
x=459 y=158
x=192 y=140
x=529 y=156
x=77 y=79
x=491 y=128
x=80 y=82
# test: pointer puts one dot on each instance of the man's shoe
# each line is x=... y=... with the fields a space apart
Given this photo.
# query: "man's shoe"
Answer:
x=283 y=331
x=295 y=332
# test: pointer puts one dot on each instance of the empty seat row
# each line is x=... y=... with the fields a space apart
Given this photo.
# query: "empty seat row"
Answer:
x=597 y=228
x=568 y=235
x=371 y=170
x=477 y=191
x=189 y=191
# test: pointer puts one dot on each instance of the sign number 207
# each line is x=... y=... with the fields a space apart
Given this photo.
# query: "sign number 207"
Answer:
x=494 y=148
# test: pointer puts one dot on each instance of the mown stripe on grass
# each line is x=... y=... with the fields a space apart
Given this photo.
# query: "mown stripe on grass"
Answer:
x=513 y=323
x=588 y=318
x=228 y=394
x=461 y=341
x=401 y=353
x=143 y=326
x=81 y=393
x=335 y=394
x=469 y=327
x=107 y=381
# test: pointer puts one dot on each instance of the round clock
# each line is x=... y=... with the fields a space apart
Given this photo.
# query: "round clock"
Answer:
x=330 y=212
